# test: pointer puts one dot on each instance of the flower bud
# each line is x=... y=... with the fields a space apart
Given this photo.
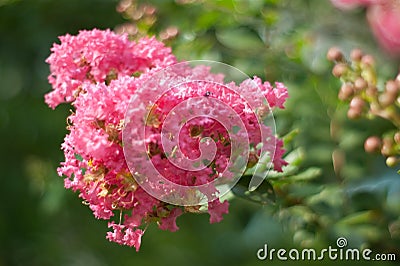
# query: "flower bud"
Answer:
x=387 y=149
x=372 y=144
x=391 y=87
x=356 y=55
x=353 y=113
x=386 y=99
x=397 y=137
x=149 y=9
x=391 y=161
x=368 y=60
x=339 y=69
x=360 y=83
x=334 y=54
x=398 y=79
x=357 y=103
x=345 y=91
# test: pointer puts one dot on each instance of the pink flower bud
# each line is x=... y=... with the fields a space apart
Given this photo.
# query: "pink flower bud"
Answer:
x=372 y=144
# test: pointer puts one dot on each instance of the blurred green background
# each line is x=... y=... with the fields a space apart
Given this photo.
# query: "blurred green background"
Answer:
x=41 y=223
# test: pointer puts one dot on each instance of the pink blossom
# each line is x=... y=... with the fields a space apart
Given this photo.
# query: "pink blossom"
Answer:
x=277 y=96
x=135 y=220
x=216 y=209
x=383 y=17
x=116 y=235
x=133 y=238
x=94 y=71
x=96 y=56
x=125 y=235
x=169 y=222
x=277 y=159
x=350 y=4
x=385 y=23
x=146 y=203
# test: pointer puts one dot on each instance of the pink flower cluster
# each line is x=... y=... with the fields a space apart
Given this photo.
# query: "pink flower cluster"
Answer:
x=98 y=72
x=383 y=17
x=98 y=56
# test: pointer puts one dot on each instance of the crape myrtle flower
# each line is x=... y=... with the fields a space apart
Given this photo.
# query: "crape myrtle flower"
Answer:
x=95 y=56
x=97 y=72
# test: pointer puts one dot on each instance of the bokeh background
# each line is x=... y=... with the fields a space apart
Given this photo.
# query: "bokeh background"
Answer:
x=41 y=223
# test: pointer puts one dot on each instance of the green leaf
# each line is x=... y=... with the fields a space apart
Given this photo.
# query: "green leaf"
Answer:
x=240 y=39
x=207 y=20
x=288 y=138
x=330 y=195
x=359 y=218
x=7 y=2
x=264 y=194
x=308 y=174
x=295 y=158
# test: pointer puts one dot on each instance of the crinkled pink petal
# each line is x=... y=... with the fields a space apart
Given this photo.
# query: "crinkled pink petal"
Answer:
x=216 y=209
x=116 y=235
x=92 y=55
x=134 y=220
x=145 y=202
x=125 y=235
x=169 y=222
x=133 y=238
x=277 y=159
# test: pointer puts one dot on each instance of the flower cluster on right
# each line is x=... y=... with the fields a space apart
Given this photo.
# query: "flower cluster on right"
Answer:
x=360 y=89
